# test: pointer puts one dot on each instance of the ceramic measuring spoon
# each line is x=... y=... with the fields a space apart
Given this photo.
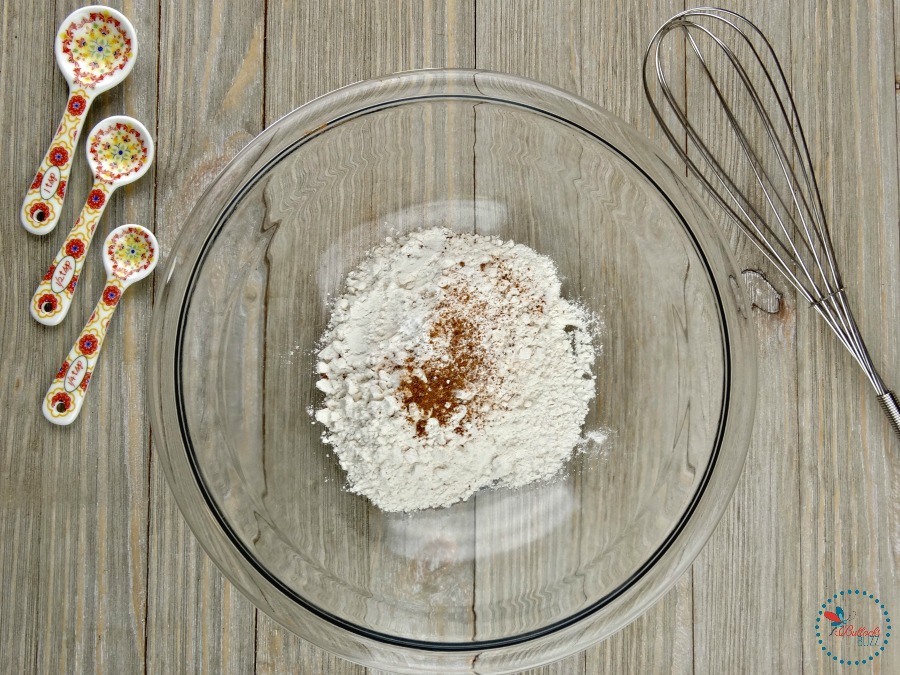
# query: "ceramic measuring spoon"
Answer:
x=130 y=253
x=95 y=50
x=119 y=151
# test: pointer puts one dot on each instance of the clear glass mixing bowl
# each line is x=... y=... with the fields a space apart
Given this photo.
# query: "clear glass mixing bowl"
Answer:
x=510 y=578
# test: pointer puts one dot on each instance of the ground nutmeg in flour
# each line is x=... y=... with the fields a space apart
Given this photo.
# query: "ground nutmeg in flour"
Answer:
x=452 y=363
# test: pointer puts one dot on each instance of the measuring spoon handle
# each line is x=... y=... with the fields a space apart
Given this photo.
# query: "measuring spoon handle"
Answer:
x=67 y=391
x=53 y=296
x=44 y=199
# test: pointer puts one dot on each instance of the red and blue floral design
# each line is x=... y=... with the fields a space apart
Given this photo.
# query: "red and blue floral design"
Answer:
x=44 y=201
x=59 y=156
x=111 y=295
x=96 y=46
x=130 y=251
x=77 y=105
x=65 y=396
x=96 y=199
x=118 y=151
x=75 y=248
x=87 y=344
x=40 y=211
x=61 y=402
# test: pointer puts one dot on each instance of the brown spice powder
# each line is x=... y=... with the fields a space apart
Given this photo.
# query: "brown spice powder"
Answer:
x=461 y=365
x=431 y=389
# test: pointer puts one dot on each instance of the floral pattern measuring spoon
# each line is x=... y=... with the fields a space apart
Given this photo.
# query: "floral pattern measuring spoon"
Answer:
x=130 y=254
x=95 y=50
x=119 y=151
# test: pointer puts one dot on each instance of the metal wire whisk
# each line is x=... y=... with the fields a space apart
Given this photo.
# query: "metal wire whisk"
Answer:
x=750 y=129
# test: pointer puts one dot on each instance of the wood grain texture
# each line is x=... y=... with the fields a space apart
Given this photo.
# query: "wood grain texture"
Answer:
x=79 y=513
x=23 y=615
x=761 y=527
x=320 y=45
x=98 y=570
x=210 y=105
x=850 y=466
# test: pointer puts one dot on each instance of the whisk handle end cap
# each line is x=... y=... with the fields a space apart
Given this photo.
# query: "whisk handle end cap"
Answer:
x=891 y=408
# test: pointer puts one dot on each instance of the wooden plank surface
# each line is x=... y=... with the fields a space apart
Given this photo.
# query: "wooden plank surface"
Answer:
x=762 y=525
x=212 y=57
x=849 y=471
x=98 y=569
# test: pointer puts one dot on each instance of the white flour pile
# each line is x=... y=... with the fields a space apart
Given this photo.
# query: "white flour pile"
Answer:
x=449 y=364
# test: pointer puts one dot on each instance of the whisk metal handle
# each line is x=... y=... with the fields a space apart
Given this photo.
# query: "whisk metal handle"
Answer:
x=891 y=408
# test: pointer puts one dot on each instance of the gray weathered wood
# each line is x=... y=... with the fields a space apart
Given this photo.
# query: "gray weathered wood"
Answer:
x=98 y=570
x=849 y=463
x=762 y=525
x=77 y=513
x=210 y=105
